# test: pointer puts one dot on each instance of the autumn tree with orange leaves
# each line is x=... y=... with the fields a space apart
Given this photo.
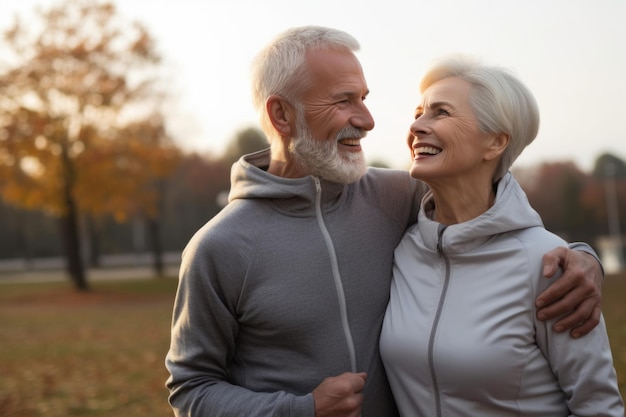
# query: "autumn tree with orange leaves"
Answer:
x=81 y=130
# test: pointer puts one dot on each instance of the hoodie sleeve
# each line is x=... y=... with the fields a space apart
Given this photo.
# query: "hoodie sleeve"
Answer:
x=203 y=335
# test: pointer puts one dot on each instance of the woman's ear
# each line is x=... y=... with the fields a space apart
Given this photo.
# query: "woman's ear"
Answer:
x=499 y=143
x=281 y=115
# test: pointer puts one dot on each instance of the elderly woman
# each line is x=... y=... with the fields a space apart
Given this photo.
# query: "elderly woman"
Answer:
x=460 y=335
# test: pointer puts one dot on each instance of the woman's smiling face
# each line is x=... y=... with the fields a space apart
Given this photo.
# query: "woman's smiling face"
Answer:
x=445 y=138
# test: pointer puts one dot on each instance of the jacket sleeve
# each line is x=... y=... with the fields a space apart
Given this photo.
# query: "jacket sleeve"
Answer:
x=203 y=336
x=583 y=247
x=583 y=367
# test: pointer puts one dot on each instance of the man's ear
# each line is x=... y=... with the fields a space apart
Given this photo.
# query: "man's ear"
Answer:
x=498 y=144
x=281 y=114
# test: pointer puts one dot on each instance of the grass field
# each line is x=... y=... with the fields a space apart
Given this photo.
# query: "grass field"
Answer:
x=64 y=353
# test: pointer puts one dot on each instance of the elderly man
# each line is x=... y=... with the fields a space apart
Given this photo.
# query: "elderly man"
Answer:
x=282 y=294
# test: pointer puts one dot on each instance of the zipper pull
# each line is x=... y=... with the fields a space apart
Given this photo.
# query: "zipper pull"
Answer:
x=318 y=185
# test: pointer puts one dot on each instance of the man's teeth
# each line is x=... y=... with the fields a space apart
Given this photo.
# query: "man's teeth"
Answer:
x=429 y=150
x=353 y=142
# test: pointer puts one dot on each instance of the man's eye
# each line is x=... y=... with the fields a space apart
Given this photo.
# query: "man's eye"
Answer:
x=418 y=115
x=442 y=112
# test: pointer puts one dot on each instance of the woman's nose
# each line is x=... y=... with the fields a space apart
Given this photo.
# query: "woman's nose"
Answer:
x=418 y=126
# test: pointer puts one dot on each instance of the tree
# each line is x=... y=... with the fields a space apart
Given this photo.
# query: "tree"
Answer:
x=605 y=197
x=126 y=179
x=606 y=163
x=555 y=191
x=245 y=141
x=68 y=98
x=196 y=189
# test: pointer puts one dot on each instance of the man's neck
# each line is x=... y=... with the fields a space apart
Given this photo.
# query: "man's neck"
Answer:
x=284 y=166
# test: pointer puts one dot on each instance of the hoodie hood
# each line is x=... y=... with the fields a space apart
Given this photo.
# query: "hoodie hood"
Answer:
x=511 y=211
x=250 y=180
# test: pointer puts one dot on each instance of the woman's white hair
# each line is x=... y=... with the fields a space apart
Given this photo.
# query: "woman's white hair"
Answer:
x=279 y=69
x=500 y=101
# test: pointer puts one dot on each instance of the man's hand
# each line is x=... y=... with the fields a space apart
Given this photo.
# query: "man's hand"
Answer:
x=340 y=396
x=577 y=292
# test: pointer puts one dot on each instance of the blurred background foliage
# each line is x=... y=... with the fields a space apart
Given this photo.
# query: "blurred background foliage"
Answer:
x=88 y=166
x=84 y=143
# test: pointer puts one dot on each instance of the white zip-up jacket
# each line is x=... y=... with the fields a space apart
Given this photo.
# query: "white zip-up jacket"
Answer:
x=460 y=336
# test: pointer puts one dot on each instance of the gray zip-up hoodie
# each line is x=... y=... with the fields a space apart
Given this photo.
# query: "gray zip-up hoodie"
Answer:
x=285 y=287
x=460 y=336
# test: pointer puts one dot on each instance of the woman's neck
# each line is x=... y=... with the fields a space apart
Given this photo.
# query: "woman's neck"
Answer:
x=455 y=205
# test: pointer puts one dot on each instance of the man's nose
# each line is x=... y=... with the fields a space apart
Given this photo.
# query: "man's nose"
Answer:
x=363 y=119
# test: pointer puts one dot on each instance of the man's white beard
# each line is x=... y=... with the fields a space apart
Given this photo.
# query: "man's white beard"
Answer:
x=322 y=157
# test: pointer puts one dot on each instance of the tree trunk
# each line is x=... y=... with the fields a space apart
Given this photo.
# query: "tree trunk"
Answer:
x=71 y=238
x=69 y=227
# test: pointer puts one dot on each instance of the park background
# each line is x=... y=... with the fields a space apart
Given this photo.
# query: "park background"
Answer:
x=116 y=142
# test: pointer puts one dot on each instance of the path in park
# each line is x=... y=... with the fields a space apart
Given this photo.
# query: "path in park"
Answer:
x=113 y=267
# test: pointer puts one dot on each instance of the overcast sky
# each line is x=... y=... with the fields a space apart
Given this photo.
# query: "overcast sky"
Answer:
x=571 y=53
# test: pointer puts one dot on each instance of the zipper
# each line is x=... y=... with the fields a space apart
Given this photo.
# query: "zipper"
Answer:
x=343 y=308
x=433 y=330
